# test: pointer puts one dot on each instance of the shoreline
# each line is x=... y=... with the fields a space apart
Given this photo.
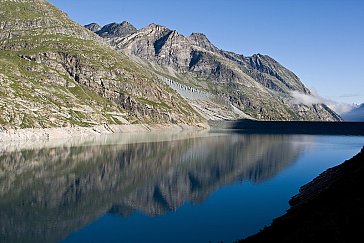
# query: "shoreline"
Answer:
x=238 y=126
x=46 y=134
x=290 y=127
x=327 y=209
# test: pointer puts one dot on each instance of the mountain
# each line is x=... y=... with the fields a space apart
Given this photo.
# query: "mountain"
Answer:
x=116 y=30
x=93 y=27
x=217 y=83
x=54 y=73
x=356 y=114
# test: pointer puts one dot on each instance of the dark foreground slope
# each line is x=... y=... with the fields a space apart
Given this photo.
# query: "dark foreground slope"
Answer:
x=328 y=209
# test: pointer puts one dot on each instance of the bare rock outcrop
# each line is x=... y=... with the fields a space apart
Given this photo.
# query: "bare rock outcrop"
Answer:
x=258 y=86
x=55 y=73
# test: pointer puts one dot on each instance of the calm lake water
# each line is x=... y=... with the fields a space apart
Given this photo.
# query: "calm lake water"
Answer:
x=180 y=187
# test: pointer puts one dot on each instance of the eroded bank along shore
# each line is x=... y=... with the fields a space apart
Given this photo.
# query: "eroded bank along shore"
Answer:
x=36 y=134
x=327 y=209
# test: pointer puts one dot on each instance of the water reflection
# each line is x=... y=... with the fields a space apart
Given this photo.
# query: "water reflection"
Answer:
x=47 y=192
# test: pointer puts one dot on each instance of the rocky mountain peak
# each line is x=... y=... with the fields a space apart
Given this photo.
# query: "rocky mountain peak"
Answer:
x=68 y=76
x=65 y=56
x=258 y=58
x=156 y=26
x=94 y=27
x=116 y=30
x=201 y=40
x=155 y=29
x=234 y=77
x=266 y=64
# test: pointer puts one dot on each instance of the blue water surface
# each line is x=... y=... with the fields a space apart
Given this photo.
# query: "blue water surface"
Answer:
x=173 y=188
x=233 y=211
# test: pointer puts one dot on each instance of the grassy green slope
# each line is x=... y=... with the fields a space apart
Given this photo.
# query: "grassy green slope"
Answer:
x=54 y=73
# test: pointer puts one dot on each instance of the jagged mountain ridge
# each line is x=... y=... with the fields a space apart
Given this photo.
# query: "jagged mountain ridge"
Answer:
x=56 y=73
x=258 y=85
x=114 y=29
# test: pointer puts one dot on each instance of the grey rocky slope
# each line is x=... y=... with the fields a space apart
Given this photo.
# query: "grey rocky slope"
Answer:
x=54 y=73
x=115 y=30
x=233 y=85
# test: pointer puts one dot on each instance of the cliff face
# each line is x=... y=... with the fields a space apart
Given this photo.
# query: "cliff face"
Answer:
x=257 y=87
x=154 y=178
x=54 y=72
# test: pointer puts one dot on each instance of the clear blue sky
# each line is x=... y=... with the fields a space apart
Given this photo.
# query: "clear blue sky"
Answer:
x=322 y=41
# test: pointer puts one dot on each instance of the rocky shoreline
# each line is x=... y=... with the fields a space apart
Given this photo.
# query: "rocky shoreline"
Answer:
x=328 y=209
x=37 y=134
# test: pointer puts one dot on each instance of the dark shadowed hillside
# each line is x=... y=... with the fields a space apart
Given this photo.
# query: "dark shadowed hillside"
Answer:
x=328 y=209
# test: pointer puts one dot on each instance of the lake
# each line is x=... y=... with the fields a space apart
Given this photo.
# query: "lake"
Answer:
x=166 y=187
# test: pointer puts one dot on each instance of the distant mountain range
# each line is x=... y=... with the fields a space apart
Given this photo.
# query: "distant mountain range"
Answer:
x=356 y=114
x=56 y=73
x=233 y=86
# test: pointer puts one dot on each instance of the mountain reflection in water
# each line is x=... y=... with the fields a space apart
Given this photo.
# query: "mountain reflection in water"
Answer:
x=48 y=192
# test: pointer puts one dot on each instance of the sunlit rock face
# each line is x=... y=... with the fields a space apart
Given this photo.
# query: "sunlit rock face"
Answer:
x=257 y=85
x=56 y=73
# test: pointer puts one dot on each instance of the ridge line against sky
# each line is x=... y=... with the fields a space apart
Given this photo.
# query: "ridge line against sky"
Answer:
x=321 y=41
